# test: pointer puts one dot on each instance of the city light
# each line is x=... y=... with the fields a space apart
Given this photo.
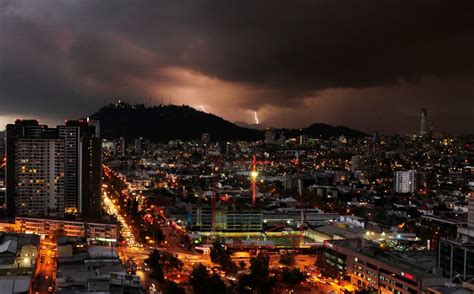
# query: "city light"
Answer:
x=254 y=174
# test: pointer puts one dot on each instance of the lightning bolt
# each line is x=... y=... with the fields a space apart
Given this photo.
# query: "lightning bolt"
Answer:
x=202 y=108
x=255 y=115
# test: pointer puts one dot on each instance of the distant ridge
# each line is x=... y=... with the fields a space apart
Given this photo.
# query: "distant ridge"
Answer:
x=320 y=130
x=260 y=126
x=170 y=122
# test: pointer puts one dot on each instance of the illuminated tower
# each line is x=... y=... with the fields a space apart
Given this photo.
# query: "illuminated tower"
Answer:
x=424 y=122
x=254 y=175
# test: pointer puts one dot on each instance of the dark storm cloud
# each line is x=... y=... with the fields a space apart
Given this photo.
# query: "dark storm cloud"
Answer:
x=85 y=52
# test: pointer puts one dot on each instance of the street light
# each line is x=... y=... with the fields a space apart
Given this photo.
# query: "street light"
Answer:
x=254 y=174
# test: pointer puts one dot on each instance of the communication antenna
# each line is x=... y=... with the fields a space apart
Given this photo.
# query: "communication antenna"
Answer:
x=254 y=175
x=213 y=202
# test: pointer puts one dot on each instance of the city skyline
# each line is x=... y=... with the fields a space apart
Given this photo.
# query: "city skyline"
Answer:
x=311 y=146
x=349 y=64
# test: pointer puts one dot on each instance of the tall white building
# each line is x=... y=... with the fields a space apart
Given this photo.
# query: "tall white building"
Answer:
x=53 y=171
x=39 y=165
x=405 y=181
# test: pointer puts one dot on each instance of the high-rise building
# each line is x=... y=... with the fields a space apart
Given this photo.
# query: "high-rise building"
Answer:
x=270 y=136
x=120 y=147
x=470 y=211
x=52 y=171
x=206 y=138
x=141 y=145
x=405 y=181
x=424 y=122
x=362 y=163
x=375 y=144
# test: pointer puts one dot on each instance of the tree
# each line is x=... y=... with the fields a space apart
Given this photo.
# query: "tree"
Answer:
x=170 y=287
x=242 y=265
x=160 y=261
x=259 y=275
x=157 y=234
x=292 y=277
x=217 y=251
x=153 y=261
x=186 y=241
x=199 y=279
x=170 y=261
x=245 y=285
x=203 y=283
x=216 y=284
x=219 y=254
x=259 y=266
x=287 y=259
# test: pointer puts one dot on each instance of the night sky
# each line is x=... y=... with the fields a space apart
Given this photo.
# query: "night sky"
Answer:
x=370 y=65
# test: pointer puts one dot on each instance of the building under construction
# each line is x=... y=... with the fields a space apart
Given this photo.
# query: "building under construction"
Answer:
x=227 y=219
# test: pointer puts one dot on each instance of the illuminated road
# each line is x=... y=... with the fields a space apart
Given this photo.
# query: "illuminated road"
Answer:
x=138 y=252
x=112 y=209
x=46 y=269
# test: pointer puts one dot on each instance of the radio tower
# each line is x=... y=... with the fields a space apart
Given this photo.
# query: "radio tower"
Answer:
x=213 y=202
x=254 y=174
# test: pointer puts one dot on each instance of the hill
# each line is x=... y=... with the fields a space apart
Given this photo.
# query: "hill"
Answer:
x=164 y=123
x=169 y=122
x=319 y=130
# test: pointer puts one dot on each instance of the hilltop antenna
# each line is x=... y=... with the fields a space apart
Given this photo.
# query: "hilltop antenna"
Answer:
x=161 y=100
x=170 y=100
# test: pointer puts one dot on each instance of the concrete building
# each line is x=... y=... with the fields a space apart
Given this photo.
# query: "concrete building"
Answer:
x=456 y=257
x=366 y=266
x=47 y=228
x=141 y=145
x=18 y=258
x=405 y=181
x=364 y=167
x=228 y=219
x=296 y=216
x=53 y=171
x=93 y=269
x=120 y=147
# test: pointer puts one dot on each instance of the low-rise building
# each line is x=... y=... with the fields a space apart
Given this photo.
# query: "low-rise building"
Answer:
x=18 y=256
x=366 y=266
x=93 y=269
x=227 y=219
x=48 y=228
